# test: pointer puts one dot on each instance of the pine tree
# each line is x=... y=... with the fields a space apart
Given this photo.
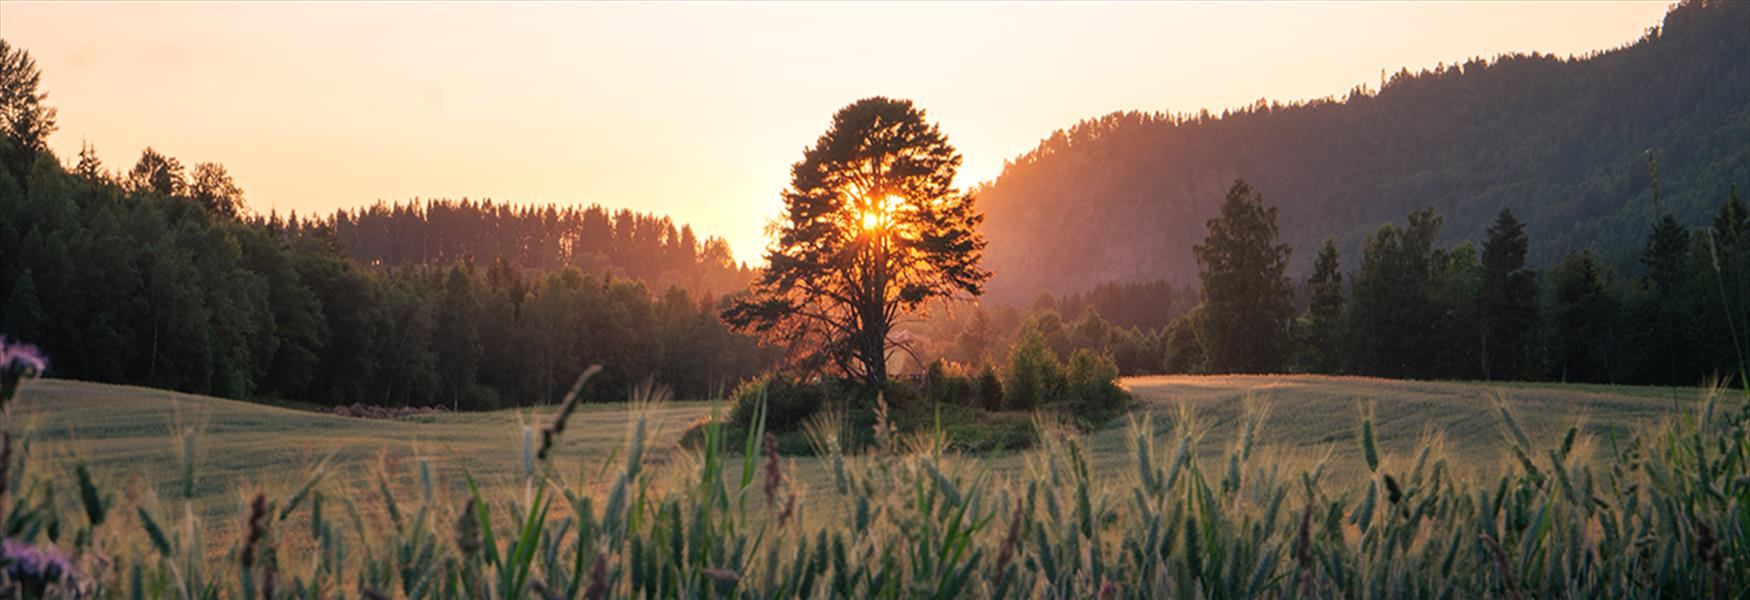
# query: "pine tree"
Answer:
x=90 y=166
x=1658 y=314
x=872 y=230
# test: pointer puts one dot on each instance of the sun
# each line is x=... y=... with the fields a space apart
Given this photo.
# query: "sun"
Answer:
x=877 y=217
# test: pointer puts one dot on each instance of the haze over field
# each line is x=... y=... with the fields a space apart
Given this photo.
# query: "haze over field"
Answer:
x=691 y=110
x=445 y=301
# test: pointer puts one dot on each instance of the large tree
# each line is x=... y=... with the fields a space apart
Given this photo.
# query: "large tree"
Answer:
x=1582 y=320
x=1507 y=301
x=872 y=230
x=1659 y=311
x=1247 y=298
x=1393 y=304
x=211 y=185
x=27 y=121
x=1727 y=272
x=158 y=174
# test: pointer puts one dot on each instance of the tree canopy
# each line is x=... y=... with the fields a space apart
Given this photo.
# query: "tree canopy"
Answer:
x=1247 y=299
x=872 y=230
x=160 y=276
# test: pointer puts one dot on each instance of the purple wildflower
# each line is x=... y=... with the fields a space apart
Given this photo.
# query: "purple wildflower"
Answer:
x=36 y=566
x=18 y=361
x=21 y=357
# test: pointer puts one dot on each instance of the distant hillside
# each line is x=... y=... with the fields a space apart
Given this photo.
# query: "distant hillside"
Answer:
x=646 y=247
x=1561 y=141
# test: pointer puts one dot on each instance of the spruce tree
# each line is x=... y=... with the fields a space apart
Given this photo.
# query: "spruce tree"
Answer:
x=1507 y=302
x=1659 y=315
x=1583 y=333
x=1324 y=350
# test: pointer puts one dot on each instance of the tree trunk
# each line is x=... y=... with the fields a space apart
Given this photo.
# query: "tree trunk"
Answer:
x=873 y=352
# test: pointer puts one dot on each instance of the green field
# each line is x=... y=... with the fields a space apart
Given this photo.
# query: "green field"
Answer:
x=126 y=433
x=1573 y=511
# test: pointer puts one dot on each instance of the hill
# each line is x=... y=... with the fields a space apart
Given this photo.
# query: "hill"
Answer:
x=1563 y=142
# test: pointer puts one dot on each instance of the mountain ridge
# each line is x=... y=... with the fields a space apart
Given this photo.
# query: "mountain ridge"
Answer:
x=1561 y=141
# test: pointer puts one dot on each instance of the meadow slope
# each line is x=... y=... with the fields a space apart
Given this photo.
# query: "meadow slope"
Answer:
x=128 y=434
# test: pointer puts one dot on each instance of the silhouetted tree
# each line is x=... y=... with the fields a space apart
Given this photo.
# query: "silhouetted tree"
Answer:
x=1727 y=273
x=1454 y=340
x=872 y=229
x=1658 y=311
x=212 y=187
x=26 y=119
x=1247 y=299
x=157 y=174
x=1583 y=317
x=1507 y=302
x=1392 y=304
x=90 y=167
x=1325 y=313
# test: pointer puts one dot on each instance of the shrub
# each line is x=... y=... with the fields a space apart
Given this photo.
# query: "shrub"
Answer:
x=948 y=383
x=1091 y=389
x=479 y=397
x=1139 y=352
x=990 y=388
x=975 y=430
x=1182 y=352
x=789 y=401
x=1034 y=375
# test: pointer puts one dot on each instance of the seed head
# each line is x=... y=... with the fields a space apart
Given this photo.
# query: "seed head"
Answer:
x=774 y=470
x=721 y=575
x=257 y=529
x=598 y=579
x=468 y=530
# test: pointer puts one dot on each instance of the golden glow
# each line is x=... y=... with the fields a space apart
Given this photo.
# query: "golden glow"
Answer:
x=693 y=110
x=879 y=216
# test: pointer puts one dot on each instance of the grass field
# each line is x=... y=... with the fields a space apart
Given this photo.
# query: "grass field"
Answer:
x=1192 y=510
x=127 y=434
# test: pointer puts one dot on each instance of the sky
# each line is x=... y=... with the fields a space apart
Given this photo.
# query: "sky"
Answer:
x=693 y=110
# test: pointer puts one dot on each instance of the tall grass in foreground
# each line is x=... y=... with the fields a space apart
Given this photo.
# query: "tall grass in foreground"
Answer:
x=1665 y=514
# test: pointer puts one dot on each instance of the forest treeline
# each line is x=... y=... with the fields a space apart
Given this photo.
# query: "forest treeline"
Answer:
x=1411 y=307
x=155 y=275
x=1563 y=141
x=646 y=247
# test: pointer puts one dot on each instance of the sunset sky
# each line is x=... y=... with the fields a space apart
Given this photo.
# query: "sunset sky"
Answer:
x=692 y=110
